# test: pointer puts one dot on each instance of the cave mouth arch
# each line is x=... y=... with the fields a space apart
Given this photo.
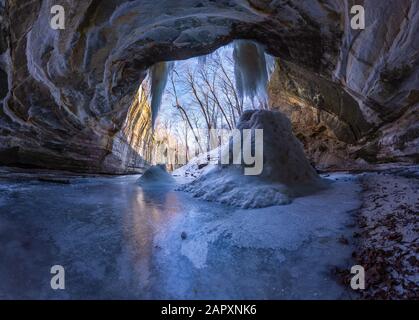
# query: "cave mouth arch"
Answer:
x=193 y=101
x=326 y=125
x=334 y=121
x=303 y=44
x=89 y=73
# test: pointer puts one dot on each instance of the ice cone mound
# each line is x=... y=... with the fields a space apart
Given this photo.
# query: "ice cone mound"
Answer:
x=286 y=172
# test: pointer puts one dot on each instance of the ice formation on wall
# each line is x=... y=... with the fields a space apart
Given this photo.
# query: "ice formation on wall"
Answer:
x=251 y=71
x=158 y=78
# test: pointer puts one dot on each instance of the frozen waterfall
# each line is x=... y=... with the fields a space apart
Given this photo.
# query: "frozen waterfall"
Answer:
x=158 y=77
x=251 y=70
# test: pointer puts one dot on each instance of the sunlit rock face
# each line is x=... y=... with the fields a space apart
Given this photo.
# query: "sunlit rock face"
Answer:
x=65 y=94
x=132 y=146
x=326 y=119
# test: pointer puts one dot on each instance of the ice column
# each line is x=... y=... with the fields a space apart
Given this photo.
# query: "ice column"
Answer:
x=250 y=68
x=158 y=76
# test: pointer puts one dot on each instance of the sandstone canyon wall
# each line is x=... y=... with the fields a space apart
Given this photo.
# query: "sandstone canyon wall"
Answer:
x=367 y=112
x=66 y=96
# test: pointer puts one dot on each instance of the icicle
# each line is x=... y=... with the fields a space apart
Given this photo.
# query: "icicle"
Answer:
x=202 y=60
x=250 y=69
x=159 y=74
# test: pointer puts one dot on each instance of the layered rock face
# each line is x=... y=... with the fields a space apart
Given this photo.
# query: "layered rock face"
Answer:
x=66 y=95
x=367 y=112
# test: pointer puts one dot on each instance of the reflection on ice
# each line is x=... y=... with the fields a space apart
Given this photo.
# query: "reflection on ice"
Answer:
x=119 y=240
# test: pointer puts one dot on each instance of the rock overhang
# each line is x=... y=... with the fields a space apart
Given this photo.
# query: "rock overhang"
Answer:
x=80 y=82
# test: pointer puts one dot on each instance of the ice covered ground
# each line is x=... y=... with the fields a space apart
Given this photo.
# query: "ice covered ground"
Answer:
x=117 y=239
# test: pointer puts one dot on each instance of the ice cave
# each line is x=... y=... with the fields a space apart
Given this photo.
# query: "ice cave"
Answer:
x=114 y=129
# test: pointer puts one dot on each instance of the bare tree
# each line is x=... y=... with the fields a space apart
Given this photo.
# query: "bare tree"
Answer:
x=205 y=96
x=181 y=110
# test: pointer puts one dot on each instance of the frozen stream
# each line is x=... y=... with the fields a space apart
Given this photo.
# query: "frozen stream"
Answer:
x=118 y=240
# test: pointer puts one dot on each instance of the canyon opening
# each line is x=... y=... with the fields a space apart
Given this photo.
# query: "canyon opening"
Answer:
x=203 y=149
